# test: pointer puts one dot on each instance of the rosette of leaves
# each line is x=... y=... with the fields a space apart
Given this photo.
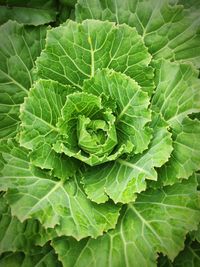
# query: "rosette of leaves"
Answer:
x=101 y=139
x=98 y=120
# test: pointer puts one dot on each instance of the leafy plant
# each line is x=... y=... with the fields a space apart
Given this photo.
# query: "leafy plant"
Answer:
x=100 y=132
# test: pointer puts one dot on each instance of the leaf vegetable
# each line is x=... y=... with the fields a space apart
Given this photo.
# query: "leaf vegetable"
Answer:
x=100 y=132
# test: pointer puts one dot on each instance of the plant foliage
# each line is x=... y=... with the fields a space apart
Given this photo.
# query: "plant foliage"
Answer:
x=100 y=130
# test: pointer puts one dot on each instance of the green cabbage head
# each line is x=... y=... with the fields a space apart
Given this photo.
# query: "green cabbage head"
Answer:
x=105 y=143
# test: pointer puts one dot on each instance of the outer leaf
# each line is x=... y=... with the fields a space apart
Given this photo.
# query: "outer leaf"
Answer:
x=29 y=12
x=70 y=3
x=46 y=257
x=195 y=235
x=19 y=48
x=65 y=12
x=163 y=261
x=168 y=30
x=195 y=116
x=190 y=256
x=16 y=236
x=132 y=112
x=190 y=3
x=186 y=154
x=76 y=51
x=34 y=194
x=39 y=116
x=177 y=93
x=122 y=179
x=157 y=222
x=36 y=3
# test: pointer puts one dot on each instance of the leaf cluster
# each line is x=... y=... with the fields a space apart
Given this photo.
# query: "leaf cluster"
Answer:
x=99 y=133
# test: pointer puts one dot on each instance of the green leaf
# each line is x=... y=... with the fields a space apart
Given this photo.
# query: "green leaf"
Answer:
x=132 y=114
x=190 y=256
x=64 y=13
x=36 y=3
x=163 y=261
x=76 y=51
x=39 y=116
x=97 y=136
x=77 y=104
x=122 y=179
x=46 y=257
x=61 y=205
x=17 y=236
x=70 y=3
x=168 y=30
x=27 y=15
x=195 y=235
x=186 y=153
x=193 y=4
x=20 y=46
x=157 y=222
x=81 y=123
x=177 y=91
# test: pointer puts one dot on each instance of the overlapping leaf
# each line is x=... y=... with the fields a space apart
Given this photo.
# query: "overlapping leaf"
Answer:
x=186 y=152
x=34 y=194
x=122 y=179
x=101 y=101
x=19 y=48
x=104 y=108
x=177 y=91
x=39 y=115
x=70 y=3
x=17 y=236
x=76 y=51
x=80 y=129
x=191 y=4
x=46 y=257
x=132 y=113
x=169 y=30
x=195 y=235
x=150 y=225
x=190 y=256
x=28 y=12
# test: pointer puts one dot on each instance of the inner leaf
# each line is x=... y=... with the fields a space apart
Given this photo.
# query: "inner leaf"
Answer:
x=97 y=136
